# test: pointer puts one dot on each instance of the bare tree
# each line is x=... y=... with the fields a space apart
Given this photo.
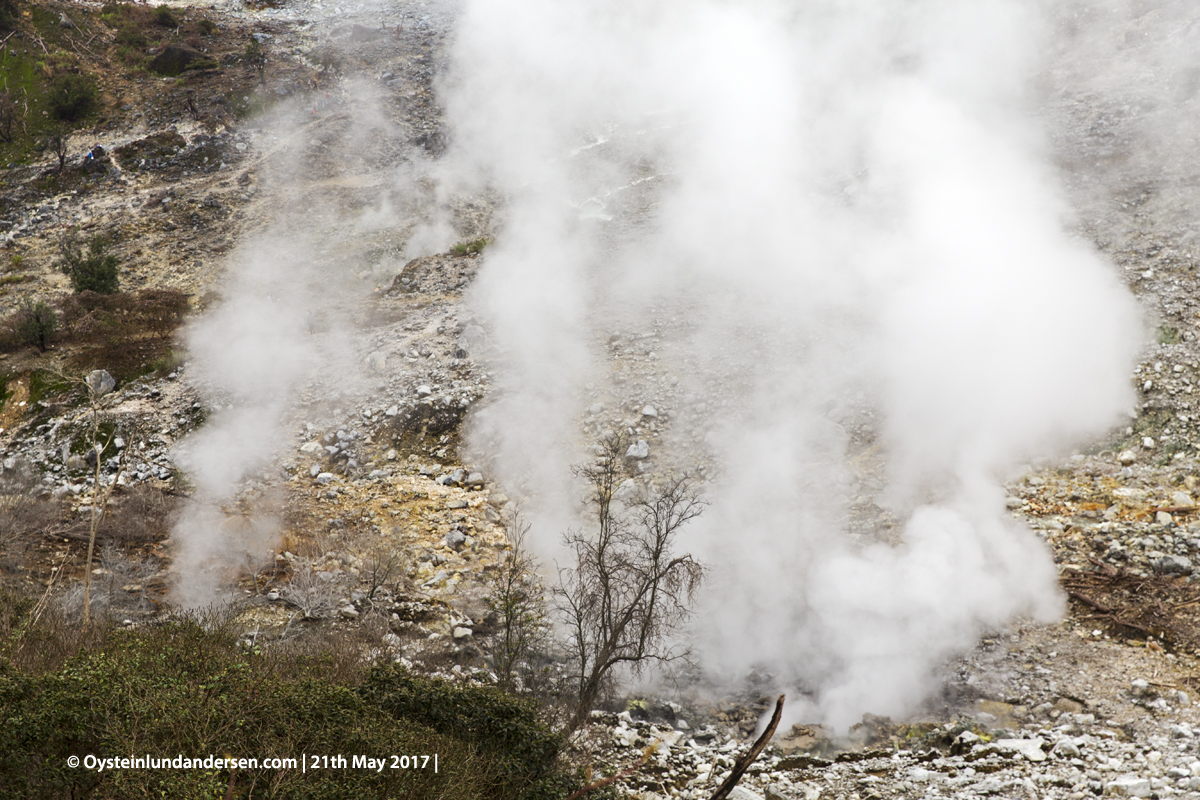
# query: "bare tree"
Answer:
x=58 y=143
x=97 y=384
x=628 y=590
x=10 y=115
x=518 y=603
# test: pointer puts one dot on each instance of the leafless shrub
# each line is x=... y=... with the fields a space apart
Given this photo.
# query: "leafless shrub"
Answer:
x=382 y=564
x=315 y=593
x=627 y=590
x=10 y=116
x=137 y=515
x=38 y=635
x=120 y=587
x=23 y=515
x=519 y=605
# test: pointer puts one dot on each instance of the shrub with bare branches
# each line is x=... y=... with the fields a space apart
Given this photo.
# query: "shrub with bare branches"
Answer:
x=628 y=589
x=517 y=601
x=314 y=593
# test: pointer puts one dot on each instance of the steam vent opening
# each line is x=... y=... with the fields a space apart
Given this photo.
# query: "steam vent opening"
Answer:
x=807 y=391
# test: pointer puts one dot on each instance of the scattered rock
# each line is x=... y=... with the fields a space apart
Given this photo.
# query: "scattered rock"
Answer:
x=638 y=450
x=1128 y=786
x=176 y=59
x=100 y=383
x=1174 y=565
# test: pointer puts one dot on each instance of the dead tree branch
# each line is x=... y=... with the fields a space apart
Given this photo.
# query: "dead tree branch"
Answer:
x=742 y=764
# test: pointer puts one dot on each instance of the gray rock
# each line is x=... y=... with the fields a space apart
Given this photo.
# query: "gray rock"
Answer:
x=649 y=411
x=174 y=59
x=456 y=539
x=1139 y=687
x=463 y=633
x=1174 y=565
x=325 y=477
x=392 y=411
x=1127 y=458
x=474 y=479
x=456 y=504
x=1164 y=518
x=314 y=470
x=472 y=338
x=424 y=390
x=272 y=595
x=349 y=612
x=377 y=473
x=1031 y=749
x=742 y=793
x=437 y=579
x=638 y=450
x=1065 y=748
x=1128 y=786
x=99 y=382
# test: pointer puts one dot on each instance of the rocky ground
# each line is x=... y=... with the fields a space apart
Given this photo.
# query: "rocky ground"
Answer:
x=388 y=533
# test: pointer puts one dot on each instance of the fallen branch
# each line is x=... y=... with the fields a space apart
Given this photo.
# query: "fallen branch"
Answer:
x=616 y=776
x=742 y=764
x=1087 y=601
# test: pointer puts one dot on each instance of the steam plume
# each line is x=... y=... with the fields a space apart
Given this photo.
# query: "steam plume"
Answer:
x=824 y=241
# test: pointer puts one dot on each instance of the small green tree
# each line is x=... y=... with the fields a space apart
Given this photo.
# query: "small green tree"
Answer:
x=89 y=270
x=36 y=324
x=164 y=17
x=256 y=56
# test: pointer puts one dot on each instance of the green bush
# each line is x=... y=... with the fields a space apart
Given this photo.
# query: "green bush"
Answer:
x=130 y=35
x=187 y=687
x=36 y=324
x=470 y=248
x=72 y=96
x=502 y=729
x=164 y=17
x=91 y=270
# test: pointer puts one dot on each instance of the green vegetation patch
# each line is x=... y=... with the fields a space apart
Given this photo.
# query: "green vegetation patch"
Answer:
x=470 y=248
x=186 y=687
x=1169 y=334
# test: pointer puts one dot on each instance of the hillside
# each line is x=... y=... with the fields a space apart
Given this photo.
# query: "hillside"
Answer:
x=337 y=382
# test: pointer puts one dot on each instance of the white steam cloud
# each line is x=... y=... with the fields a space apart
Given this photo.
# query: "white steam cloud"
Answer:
x=835 y=227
